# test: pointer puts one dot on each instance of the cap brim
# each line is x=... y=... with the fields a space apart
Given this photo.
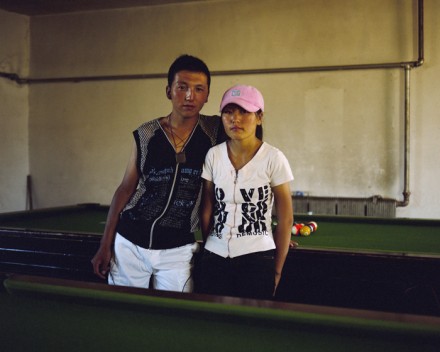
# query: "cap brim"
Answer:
x=242 y=103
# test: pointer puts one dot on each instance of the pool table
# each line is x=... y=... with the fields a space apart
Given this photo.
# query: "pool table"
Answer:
x=354 y=262
x=49 y=314
x=56 y=242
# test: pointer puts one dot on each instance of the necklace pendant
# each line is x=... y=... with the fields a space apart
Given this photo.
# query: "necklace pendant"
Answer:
x=181 y=158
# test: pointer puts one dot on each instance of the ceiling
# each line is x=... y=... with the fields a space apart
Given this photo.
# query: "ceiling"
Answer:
x=47 y=7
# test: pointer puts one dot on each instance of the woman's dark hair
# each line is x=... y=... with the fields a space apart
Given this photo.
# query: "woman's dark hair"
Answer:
x=188 y=63
x=259 y=130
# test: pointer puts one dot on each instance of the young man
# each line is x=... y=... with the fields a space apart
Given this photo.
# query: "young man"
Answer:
x=154 y=213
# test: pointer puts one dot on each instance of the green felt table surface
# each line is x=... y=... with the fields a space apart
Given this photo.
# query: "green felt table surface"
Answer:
x=41 y=316
x=373 y=234
x=343 y=233
x=81 y=218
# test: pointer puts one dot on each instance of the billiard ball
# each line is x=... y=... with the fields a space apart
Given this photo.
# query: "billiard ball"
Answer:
x=305 y=230
x=313 y=225
x=296 y=228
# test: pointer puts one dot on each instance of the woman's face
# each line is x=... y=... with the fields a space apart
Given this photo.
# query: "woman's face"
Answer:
x=239 y=124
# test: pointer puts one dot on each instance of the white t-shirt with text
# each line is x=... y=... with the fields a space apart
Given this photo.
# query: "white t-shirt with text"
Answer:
x=244 y=199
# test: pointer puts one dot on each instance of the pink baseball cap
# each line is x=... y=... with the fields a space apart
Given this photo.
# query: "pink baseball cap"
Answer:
x=248 y=97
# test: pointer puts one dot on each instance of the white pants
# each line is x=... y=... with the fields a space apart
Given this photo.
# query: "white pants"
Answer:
x=170 y=268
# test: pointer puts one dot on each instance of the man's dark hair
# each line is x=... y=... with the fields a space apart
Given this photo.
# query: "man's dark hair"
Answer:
x=188 y=63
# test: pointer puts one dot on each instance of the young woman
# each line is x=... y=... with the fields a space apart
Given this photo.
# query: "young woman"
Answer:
x=242 y=179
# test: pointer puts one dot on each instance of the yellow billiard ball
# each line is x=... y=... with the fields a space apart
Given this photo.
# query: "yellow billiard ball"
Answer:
x=305 y=231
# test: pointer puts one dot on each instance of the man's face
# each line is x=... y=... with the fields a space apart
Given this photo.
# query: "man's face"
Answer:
x=189 y=92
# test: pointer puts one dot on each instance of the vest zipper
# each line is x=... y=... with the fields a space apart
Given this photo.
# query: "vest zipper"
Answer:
x=166 y=206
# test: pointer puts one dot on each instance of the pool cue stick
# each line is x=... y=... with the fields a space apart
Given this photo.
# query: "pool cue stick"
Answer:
x=29 y=201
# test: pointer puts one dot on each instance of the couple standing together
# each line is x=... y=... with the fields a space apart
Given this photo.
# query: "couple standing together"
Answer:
x=186 y=168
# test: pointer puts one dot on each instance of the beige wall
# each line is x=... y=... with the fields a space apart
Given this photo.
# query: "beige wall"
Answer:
x=342 y=131
x=14 y=153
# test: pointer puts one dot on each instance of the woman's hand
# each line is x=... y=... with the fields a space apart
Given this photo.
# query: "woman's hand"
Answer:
x=293 y=244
